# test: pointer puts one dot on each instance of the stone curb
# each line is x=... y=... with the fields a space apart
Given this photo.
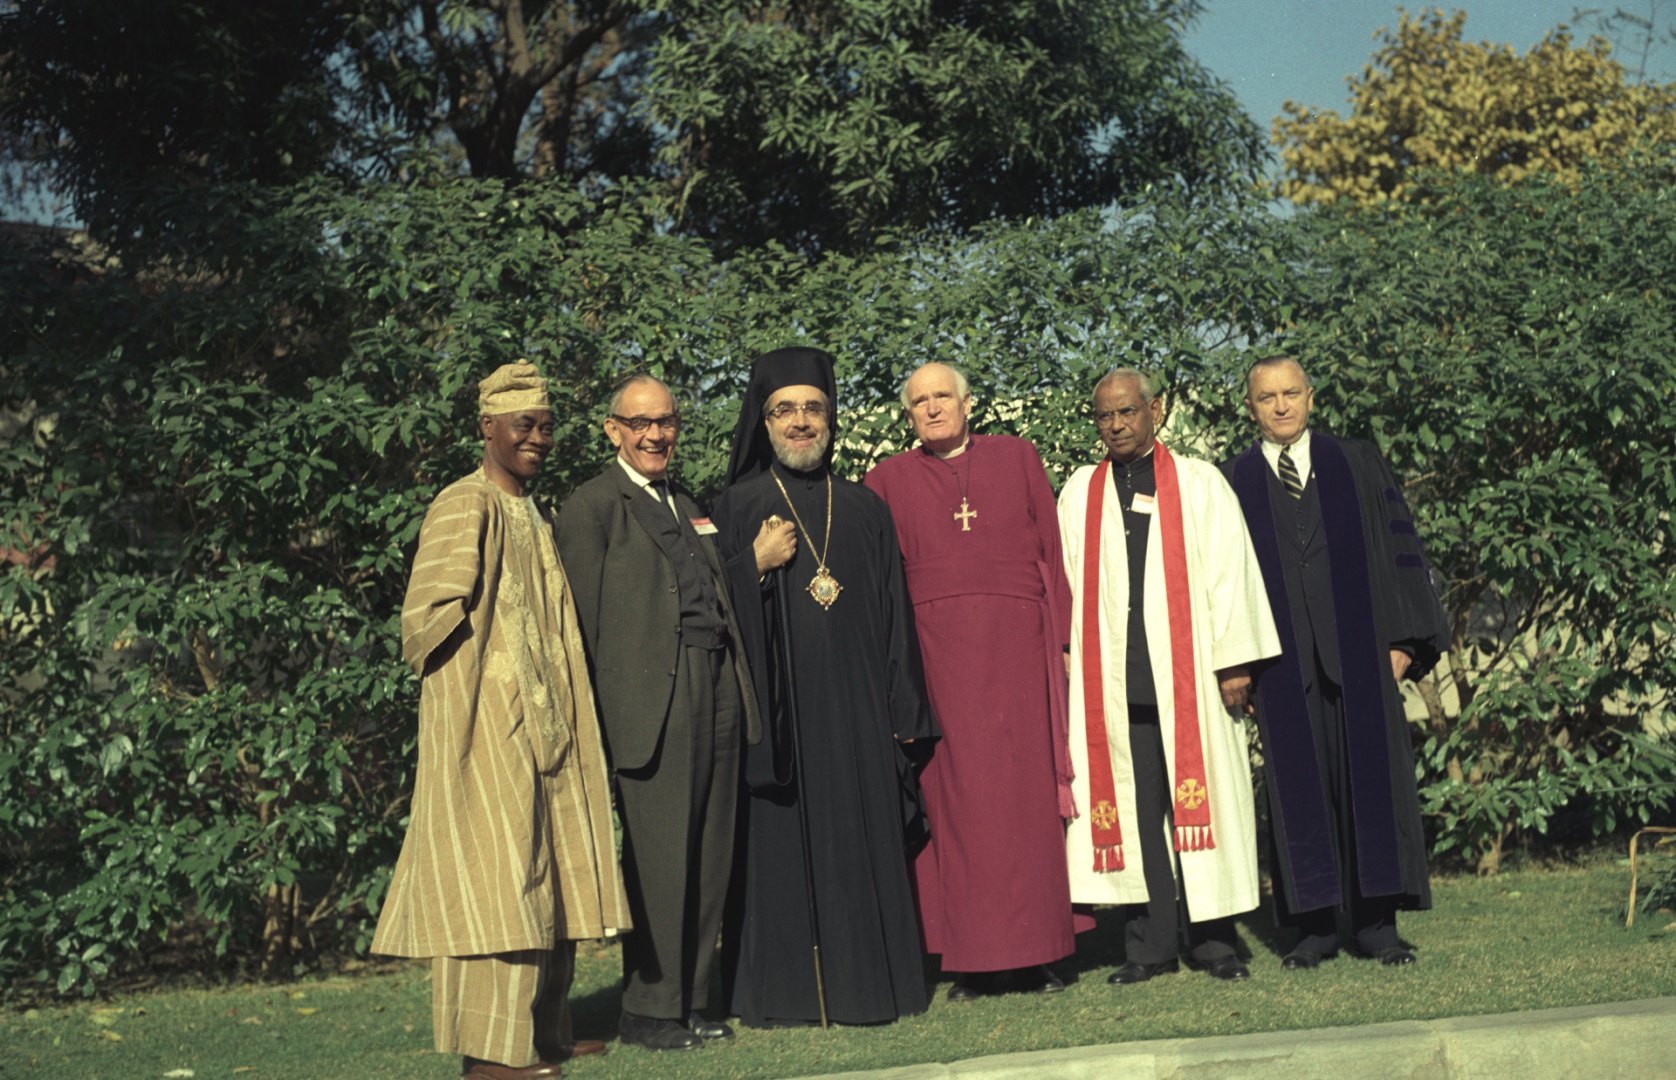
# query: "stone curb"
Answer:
x=1635 y=1040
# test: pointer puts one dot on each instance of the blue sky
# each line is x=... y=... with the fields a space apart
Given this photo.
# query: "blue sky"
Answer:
x=1275 y=50
x=1271 y=51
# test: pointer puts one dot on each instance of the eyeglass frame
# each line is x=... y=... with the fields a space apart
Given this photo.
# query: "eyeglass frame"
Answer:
x=1106 y=419
x=639 y=424
x=785 y=410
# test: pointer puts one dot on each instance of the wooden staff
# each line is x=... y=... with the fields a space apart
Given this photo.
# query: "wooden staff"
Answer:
x=785 y=666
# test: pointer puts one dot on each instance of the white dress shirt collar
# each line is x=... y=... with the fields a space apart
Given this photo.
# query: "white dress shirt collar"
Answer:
x=646 y=484
x=1300 y=456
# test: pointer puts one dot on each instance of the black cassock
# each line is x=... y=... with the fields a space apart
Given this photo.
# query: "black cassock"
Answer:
x=1374 y=588
x=856 y=672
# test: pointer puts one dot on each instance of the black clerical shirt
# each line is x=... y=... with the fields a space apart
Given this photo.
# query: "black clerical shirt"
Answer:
x=1137 y=478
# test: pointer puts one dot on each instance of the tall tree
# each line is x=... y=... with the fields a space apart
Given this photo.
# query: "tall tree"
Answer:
x=1430 y=100
x=105 y=98
x=1642 y=34
x=821 y=123
x=826 y=122
x=512 y=88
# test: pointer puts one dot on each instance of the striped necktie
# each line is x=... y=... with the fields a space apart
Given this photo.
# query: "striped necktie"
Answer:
x=1289 y=474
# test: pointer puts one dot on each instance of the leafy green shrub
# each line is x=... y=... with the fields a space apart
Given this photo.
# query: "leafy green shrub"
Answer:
x=218 y=448
x=1661 y=890
x=224 y=443
x=1510 y=347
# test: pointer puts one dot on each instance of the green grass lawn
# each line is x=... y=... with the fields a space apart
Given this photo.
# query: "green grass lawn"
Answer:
x=1528 y=939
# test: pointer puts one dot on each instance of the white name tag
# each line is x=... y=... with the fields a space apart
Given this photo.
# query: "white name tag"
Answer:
x=703 y=525
x=1144 y=504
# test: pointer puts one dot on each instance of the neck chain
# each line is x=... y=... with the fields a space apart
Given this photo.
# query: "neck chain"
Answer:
x=965 y=514
x=823 y=586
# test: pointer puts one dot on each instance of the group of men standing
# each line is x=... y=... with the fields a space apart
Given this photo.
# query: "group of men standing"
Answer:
x=938 y=711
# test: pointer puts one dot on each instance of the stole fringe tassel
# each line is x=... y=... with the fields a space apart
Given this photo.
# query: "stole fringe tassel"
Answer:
x=1194 y=838
x=1108 y=859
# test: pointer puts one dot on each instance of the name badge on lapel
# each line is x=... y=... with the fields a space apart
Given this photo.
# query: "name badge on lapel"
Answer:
x=703 y=526
x=1144 y=504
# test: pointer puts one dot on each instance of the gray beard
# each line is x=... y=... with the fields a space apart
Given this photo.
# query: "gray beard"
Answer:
x=801 y=460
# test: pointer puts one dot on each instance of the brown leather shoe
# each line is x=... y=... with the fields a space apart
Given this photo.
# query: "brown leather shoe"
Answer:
x=565 y=1051
x=477 y=1069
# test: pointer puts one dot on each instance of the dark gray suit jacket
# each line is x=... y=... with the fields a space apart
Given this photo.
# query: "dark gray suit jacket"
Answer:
x=629 y=606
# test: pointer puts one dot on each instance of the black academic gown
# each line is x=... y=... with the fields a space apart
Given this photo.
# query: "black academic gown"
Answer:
x=858 y=689
x=1338 y=618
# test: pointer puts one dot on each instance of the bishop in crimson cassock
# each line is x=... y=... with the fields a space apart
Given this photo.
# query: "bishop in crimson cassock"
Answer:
x=1168 y=612
x=980 y=544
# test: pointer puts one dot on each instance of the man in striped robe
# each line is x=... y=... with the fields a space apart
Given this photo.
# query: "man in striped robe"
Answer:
x=509 y=857
x=1168 y=610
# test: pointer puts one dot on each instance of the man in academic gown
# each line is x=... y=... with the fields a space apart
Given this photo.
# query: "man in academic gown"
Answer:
x=817 y=585
x=980 y=545
x=676 y=704
x=1356 y=610
x=1168 y=613
x=508 y=857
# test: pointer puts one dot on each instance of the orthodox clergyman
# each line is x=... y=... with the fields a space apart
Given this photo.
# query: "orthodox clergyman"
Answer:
x=1357 y=614
x=1168 y=614
x=979 y=534
x=508 y=858
x=833 y=807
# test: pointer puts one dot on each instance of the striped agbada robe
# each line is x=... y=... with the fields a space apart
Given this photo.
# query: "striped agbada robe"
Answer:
x=509 y=846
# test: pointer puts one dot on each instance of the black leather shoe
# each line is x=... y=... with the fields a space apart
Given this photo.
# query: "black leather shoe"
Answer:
x=1133 y=972
x=1229 y=968
x=708 y=1029
x=557 y=1052
x=1039 y=980
x=477 y=1069
x=656 y=1034
x=1395 y=956
x=1301 y=960
x=971 y=985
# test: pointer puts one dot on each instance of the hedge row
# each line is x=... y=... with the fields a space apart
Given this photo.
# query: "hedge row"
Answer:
x=218 y=448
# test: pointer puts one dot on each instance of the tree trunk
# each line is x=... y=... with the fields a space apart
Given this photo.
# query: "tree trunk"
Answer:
x=281 y=906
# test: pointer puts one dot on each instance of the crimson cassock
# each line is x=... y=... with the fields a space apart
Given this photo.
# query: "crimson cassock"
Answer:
x=992 y=610
x=852 y=686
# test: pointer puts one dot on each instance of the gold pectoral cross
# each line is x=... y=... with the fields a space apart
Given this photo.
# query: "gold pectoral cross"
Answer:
x=965 y=515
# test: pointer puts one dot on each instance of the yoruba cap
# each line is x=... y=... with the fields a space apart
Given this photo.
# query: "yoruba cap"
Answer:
x=512 y=388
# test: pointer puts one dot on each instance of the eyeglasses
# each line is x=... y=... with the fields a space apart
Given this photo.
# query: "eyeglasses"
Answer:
x=1126 y=414
x=785 y=410
x=639 y=424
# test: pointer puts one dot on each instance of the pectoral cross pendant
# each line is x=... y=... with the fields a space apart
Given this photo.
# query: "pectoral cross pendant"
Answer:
x=965 y=515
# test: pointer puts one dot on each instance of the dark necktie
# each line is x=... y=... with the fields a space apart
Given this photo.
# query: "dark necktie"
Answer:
x=1289 y=474
x=660 y=488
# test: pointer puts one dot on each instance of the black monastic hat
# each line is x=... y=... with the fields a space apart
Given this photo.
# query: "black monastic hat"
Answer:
x=770 y=372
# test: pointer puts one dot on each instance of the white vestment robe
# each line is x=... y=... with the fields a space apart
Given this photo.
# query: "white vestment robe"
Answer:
x=1232 y=626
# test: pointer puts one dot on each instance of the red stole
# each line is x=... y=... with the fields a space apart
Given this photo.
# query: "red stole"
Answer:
x=1192 y=794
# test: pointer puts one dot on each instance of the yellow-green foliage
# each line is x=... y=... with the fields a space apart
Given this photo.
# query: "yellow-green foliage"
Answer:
x=1431 y=100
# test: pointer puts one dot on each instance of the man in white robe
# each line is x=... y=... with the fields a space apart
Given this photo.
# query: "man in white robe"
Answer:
x=1168 y=607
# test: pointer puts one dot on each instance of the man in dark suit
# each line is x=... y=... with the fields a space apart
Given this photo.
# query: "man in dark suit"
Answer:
x=675 y=702
x=1356 y=610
